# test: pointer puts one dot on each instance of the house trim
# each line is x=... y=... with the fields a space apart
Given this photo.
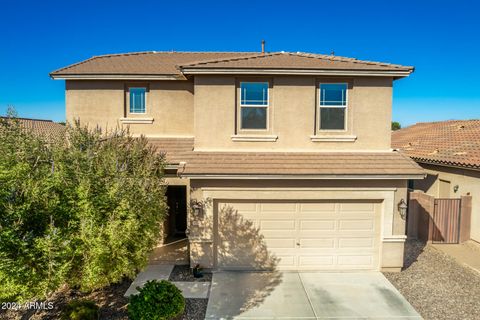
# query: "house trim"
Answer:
x=136 y=120
x=333 y=138
x=254 y=71
x=254 y=138
x=306 y=177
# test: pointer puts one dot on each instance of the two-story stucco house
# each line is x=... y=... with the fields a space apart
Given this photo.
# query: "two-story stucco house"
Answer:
x=282 y=159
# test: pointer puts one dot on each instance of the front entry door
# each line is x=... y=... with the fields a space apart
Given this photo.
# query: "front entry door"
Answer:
x=177 y=211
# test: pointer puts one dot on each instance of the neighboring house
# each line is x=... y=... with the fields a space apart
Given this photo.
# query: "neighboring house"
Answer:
x=449 y=151
x=45 y=128
x=283 y=160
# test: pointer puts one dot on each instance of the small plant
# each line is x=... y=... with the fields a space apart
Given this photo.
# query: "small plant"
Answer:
x=80 y=310
x=197 y=271
x=157 y=300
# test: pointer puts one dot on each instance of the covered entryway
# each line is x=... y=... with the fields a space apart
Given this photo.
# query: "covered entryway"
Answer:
x=176 y=223
x=298 y=235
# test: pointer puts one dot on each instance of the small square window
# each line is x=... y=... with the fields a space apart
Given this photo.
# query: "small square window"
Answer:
x=137 y=100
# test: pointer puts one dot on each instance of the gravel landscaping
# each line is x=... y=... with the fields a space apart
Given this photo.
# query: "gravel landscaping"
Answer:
x=436 y=285
x=184 y=273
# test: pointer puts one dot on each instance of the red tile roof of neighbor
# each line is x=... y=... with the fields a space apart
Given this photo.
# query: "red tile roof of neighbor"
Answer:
x=453 y=143
x=284 y=163
x=46 y=128
x=174 y=63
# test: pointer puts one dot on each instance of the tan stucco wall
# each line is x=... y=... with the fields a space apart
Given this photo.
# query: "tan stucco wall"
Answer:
x=202 y=225
x=210 y=113
x=169 y=103
x=468 y=181
x=292 y=115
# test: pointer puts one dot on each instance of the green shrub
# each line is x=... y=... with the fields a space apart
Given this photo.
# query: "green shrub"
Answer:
x=157 y=300
x=80 y=310
x=84 y=209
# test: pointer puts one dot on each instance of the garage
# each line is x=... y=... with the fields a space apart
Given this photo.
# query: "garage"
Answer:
x=298 y=235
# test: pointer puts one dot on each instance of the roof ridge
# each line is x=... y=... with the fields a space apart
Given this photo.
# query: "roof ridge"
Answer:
x=347 y=59
x=253 y=56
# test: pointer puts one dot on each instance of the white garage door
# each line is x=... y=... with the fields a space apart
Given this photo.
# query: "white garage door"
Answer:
x=340 y=235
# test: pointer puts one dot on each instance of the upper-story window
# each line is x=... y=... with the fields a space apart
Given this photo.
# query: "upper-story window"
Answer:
x=333 y=106
x=137 y=99
x=254 y=105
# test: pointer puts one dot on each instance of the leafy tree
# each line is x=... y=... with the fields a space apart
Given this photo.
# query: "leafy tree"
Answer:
x=84 y=209
x=396 y=125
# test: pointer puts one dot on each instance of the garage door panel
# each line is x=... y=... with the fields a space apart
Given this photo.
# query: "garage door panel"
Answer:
x=323 y=207
x=323 y=243
x=356 y=225
x=318 y=225
x=281 y=243
x=364 y=207
x=355 y=260
x=357 y=243
x=287 y=261
x=278 y=234
x=277 y=224
x=280 y=207
x=336 y=235
x=319 y=261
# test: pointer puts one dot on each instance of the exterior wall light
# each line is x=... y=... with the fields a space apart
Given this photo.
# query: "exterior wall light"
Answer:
x=197 y=208
x=402 y=209
x=455 y=188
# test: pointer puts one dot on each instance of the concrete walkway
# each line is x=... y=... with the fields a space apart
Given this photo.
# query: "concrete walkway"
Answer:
x=162 y=272
x=467 y=253
x=308 y=295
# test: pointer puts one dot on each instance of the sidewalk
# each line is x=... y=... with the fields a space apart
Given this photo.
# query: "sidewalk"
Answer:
x=467 y=253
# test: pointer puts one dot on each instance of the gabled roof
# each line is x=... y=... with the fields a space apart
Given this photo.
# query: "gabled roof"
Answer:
x=453 y=143
x=176 y=65
x=45 y=128
x=346 y=165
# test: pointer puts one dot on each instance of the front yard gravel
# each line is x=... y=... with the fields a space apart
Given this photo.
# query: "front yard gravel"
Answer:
x=436 y=285
x=184 y=273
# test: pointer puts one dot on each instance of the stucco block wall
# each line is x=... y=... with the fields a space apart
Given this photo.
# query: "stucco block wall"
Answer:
x=103 y=103
x=468 y=181
x=202 y=225
x=293 y=109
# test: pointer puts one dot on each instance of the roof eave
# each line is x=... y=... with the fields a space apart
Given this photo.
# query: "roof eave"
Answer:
x=57 y=76
x=446 y=164
x=408 y=176
x=249 y=71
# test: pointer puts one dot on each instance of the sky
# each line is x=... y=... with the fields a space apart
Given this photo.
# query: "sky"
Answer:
x=440 y=38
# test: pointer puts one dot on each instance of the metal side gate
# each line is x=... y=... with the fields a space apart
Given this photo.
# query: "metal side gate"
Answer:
x=446 y=220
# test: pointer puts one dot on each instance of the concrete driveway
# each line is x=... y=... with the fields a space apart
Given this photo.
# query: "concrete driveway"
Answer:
x=306 y=295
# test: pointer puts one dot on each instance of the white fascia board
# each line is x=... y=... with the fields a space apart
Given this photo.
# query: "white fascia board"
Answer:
x=298 y=72
x=307 y=177
x=115 y=77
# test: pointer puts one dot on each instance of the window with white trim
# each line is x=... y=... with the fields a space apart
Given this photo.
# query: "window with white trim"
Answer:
x=254 y=105
x=137 y=99
x=333 y=106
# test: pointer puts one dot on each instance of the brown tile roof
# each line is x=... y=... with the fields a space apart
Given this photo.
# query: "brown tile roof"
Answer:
x=298 y=60
x=142 y=63
x=171 y=63
x=454 y=143
x=46 y=128
x=285 y=163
